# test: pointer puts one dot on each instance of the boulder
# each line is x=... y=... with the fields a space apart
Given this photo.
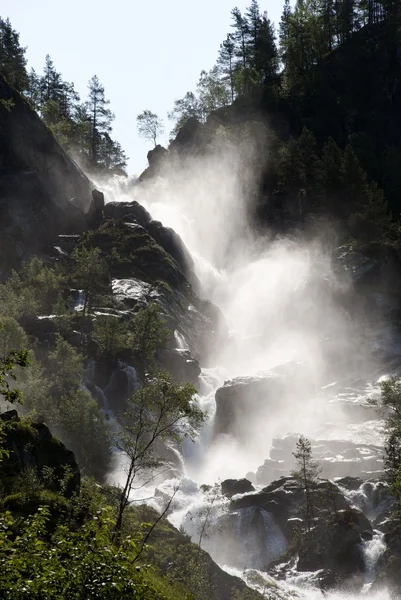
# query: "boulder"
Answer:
x=34 y=446
x=156 y=156
x=119 y=210
x=231 y=487
x=260 y=397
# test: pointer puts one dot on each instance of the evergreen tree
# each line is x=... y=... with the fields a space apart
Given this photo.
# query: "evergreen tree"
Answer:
x=12 y=57
x=265 y=61
x=332 y=166
x=100 y=116
x=226 y=62
x=306 y=476
x=240 y=26
x=327 y=14
x=354 y=178
x=285 y=31
x=253 y=22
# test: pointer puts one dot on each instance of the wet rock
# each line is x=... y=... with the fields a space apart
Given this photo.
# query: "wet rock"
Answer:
x=183 y=367
x=119 y=210
x=260 y=397
x=117 y=391
x=231 y=487
x=168 y=239
x=98 y=200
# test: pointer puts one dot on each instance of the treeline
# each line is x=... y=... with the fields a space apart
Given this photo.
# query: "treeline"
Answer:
x=253 y=53
x=82 y=127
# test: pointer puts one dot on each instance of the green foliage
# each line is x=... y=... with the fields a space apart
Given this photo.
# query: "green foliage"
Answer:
x=159 y=411
x=30 y=292
x=12 y=56
x=85 y=432
x=11 y=336
x=8 y=363
x=90 y=273
x=148 y=335
x=7 y=104
x=390 y=404
x=111 y=334
x=71 y=565
x=66 y=367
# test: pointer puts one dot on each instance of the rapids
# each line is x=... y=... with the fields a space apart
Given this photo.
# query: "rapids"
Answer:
x=278 y=296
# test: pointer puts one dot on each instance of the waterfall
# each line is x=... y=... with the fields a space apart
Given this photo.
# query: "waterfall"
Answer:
x=276 y=543
x=80 y=301
x=279 y=297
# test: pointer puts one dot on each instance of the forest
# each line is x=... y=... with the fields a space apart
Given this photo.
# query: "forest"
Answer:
x=324 y=86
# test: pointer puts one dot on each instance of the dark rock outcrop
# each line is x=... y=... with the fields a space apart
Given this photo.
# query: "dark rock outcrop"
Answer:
x=183 y=367
x=262 y=396
x=32 y=446
x=42 y=191
x=121 y=210
x=231 y=487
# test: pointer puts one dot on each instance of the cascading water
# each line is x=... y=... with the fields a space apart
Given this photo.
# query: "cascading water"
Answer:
x=278 y=298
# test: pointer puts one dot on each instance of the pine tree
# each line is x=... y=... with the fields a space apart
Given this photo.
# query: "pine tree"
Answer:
x=101 y=116
x=226 y=62
x=332 y=166
x=285 y=31
x=327 y=14
x=265 y=61
x=253 y=20
x=354 y=178
x=33 y=91
x=240 y=26
x=12 y=57
x=306 y=476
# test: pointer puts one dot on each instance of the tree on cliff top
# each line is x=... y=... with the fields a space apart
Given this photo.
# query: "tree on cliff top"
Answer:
x=150 y=126
x=12 y=57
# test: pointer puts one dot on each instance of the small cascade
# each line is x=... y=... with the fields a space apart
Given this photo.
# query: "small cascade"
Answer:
x=276 y=543
x=371 y=498
x=80 y=302
x=373 y=551
x=180 y=341
x=133 y=380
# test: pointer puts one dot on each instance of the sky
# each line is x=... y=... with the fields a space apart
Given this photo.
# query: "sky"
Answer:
x=147 y=54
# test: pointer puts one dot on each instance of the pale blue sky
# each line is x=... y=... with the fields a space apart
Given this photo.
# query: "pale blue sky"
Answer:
x=147 y=54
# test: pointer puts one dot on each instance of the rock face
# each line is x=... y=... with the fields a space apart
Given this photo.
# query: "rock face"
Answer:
x=34 y=447
x=42 y=191
x=335 y=544
x=259 y=397
x=337 y=458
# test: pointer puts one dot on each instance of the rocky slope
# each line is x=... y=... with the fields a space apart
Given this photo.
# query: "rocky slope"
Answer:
x=42 y=190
